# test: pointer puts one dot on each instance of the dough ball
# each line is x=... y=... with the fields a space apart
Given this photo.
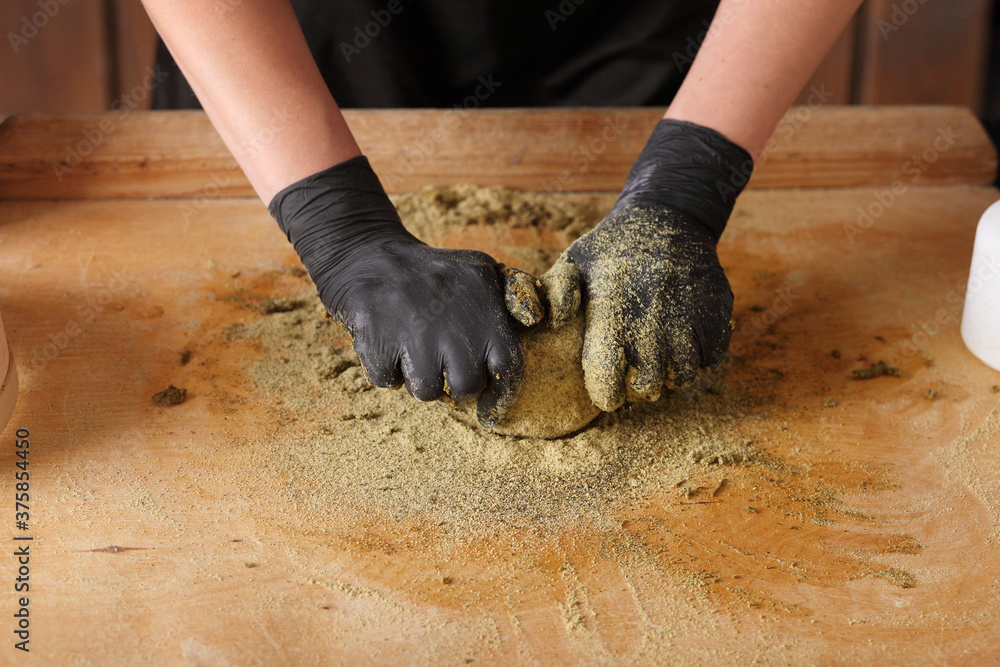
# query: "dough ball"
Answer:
x=553 y=400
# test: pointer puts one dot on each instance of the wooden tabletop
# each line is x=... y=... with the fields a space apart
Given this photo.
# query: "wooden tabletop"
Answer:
x=864 y=529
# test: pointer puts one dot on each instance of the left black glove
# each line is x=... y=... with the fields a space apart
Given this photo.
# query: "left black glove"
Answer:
x=432 y=318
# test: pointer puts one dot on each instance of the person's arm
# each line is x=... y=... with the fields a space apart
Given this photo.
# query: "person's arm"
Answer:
x=433 y=319
x=657 y=300
x=756 y=57
x=257 y=81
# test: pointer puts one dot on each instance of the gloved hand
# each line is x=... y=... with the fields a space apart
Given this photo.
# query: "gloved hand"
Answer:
x=432 y=318
x=658 y=303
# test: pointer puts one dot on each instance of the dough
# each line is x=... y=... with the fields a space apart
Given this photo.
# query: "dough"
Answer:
x=553 y=401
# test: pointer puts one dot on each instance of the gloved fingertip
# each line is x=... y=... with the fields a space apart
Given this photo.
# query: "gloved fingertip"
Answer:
x=647 y=393
x=505 y=366
x=424 y=389
x=521 y=295
x=487 y=417
x=424 y=378
x=463 y=383
x=380 y=371
x=712 y=339
x=381 y=380
x=684 y=372
x=606 y=401
x=561 y=288
x=604 y=378
x=496 y=400
x=647 y=364
x=643 y=386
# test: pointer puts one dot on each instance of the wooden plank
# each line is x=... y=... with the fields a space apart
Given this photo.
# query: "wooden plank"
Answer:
x=54 y=58
x=187 y=535
x=179 y=154
x=924 y=52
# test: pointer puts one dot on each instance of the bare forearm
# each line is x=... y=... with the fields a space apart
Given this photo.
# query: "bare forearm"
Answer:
x=254 y=75
x=756 y=58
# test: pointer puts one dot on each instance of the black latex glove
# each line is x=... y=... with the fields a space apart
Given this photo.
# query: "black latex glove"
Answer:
x=432 y=318
x=658 y=303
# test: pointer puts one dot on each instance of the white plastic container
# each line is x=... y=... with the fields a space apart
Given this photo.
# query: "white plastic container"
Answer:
x=981 y=318
x=8 y=380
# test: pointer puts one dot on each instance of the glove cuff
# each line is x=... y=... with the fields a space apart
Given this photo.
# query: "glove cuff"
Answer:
x=691 y=169
x=334 y=217
x=349 y=190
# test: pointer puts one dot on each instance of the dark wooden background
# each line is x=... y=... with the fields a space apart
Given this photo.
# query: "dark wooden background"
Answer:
x=89 y=54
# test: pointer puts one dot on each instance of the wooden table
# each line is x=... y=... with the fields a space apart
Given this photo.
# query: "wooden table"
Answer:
x=163 y=536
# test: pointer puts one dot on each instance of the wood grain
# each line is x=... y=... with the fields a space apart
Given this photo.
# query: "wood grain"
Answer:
x=179 y=154
x=179 y=535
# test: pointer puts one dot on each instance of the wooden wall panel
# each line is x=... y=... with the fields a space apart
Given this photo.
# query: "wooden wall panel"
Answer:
x=85 y=55
x=57 y=59
x=135 y=48
x=923 y=52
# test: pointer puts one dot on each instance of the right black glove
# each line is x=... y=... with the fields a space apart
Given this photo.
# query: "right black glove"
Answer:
x=658 y=303
x=432 y=318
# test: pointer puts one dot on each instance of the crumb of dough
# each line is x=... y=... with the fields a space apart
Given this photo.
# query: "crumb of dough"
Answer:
x=170 y=396
x=271 y=306
x=877 y=369
x=900 y=577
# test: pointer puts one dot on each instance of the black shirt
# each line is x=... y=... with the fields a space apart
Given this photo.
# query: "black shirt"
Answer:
x=438 y=53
